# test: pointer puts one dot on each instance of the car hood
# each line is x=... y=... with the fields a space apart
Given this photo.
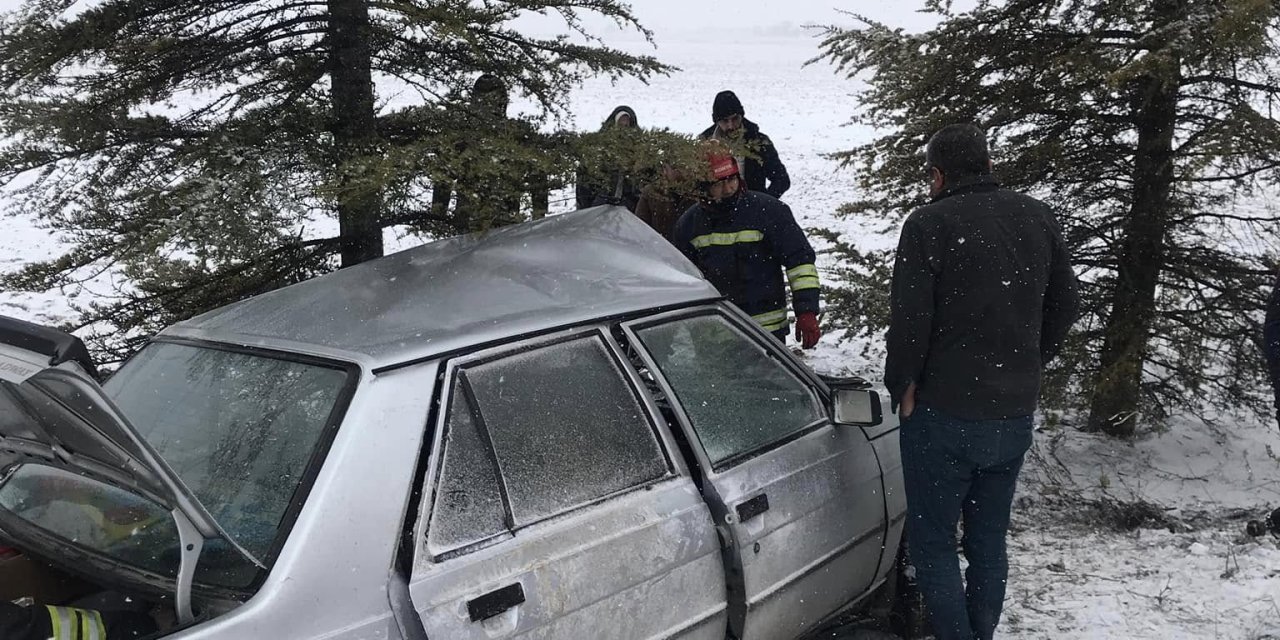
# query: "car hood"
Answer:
x=52 y=409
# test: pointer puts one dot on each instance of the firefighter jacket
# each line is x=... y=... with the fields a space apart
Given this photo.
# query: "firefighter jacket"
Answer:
x=67 y=623
x=746 y=250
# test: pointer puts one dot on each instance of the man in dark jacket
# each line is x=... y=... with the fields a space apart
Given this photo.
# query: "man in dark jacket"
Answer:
x=67 y=623
x=483 y=157
x=663 y=202
x=1271 y=343
x=743 y=241
x=983 y=295
x=758 y=160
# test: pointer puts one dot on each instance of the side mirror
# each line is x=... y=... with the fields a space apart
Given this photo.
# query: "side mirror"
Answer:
x=857 y=406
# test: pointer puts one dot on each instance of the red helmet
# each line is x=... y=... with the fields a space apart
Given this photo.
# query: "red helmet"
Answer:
x=721 y=161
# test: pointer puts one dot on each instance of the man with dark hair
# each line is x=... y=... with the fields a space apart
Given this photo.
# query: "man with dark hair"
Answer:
x=983 y=296
x=758 y=160
x=743 y=242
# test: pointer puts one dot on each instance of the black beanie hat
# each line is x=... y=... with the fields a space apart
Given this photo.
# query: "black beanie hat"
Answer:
x=726 y=104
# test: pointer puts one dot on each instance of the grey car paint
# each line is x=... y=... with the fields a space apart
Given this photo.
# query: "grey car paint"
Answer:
x=649 y=557
x=818 y=545
x=645 y=563
x=471 y=290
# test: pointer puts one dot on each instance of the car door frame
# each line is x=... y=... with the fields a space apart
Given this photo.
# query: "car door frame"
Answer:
x=723 y=511
x=418 y=560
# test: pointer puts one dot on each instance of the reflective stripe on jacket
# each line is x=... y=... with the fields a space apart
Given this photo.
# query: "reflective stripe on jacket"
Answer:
x=68 y=623
x=744 y=254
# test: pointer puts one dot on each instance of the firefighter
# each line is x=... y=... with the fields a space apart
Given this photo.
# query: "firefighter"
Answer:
x=743 y=242
x=68 y=623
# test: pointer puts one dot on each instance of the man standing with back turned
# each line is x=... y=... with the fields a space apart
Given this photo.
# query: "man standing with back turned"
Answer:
x=983 y=295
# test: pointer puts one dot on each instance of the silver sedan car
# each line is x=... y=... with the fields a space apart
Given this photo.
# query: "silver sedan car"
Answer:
x=557 y=430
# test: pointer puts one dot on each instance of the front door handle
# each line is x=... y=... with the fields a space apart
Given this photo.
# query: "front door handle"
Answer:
x=752 y=508
x=495 y=602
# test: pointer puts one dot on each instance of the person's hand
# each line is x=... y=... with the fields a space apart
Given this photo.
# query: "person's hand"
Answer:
x=807 y=330
x=909 y=401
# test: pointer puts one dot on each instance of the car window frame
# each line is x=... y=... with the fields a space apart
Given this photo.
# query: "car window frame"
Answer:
x=753 y=333
x=451 y=374
x=306 y=483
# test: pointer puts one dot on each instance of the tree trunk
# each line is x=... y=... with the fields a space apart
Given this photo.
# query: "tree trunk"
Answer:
x=1118 y=386
x=354 y=133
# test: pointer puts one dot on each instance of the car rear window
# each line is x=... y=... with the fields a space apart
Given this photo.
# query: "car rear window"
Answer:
x=562 y=428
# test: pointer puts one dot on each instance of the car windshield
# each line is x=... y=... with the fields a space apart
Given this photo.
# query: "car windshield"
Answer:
x=241 y=430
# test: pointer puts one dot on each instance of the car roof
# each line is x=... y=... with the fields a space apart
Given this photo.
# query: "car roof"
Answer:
x=464 y=291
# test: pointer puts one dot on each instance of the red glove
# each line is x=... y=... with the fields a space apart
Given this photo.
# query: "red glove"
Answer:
x=807 y=329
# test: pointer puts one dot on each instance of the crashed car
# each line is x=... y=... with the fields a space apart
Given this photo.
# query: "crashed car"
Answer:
x=553 y=430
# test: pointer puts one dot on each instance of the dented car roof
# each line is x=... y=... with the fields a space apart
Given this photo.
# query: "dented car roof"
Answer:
x=468 y=290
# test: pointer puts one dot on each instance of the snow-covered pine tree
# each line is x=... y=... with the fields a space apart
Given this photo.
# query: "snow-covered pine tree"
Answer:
x=1153 y=126
x=183 y=143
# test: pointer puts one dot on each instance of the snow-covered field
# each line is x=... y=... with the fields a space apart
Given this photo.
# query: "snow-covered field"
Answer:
x=1074 y=576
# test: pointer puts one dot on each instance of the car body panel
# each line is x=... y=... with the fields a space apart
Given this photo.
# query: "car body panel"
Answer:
x=884 y=438
x=331 y=578
x=642 y=565
x=818 y=543
x=467 y=291
x=647 y=559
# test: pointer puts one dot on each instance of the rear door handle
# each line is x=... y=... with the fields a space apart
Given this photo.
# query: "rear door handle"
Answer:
x=752 y=508
x=495 y=602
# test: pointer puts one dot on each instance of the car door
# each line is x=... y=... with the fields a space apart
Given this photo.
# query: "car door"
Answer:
x=554 y=507
x=800 y=498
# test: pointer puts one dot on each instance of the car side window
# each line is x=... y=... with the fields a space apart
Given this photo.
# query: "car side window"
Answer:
x=468 y=506
x=737 y=395
x=552 y=428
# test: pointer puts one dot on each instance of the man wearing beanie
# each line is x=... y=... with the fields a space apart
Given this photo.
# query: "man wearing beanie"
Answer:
x=758 y=161
x=743 y=242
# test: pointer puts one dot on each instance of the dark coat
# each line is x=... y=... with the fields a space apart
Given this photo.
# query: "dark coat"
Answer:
x=596 y=186
x=480 y=159
x=763 y=171
x=35 y=623
x=661 y=208
x=1271 y=340
x=744 y=252
x=983 y=295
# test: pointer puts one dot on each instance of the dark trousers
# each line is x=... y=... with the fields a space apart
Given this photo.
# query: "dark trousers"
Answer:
x=959 y=468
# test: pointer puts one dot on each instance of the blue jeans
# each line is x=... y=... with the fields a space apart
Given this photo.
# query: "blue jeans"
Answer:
x=955 y=468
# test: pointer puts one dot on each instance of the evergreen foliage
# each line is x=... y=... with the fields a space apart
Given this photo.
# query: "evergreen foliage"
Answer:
x=208 y=150
x=1153 y=127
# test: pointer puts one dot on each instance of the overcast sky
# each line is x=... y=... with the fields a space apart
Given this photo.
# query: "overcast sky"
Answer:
x=663 y=15
x=683 y=15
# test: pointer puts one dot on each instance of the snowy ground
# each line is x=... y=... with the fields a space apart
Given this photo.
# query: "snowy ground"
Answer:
x=1074 y=576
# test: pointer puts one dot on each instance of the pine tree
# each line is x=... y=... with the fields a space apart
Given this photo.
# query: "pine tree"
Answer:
x=190 y=144
x=1151 y=126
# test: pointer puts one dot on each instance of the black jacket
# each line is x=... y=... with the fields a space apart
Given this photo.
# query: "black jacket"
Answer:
x=744 y=253
x=983 y=295
x=1271 y=340
x=764 y=172
x=36 y=623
